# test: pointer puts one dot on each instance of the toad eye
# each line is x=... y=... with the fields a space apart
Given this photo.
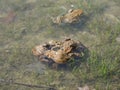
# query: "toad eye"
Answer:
x=56 y=48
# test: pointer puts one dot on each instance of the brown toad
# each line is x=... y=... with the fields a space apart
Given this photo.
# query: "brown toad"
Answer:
x=71 y=17
x=59 y=52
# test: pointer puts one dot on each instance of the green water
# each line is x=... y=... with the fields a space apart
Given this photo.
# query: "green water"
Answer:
x=99 y=30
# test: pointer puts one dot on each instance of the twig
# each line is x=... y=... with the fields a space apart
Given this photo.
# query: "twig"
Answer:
x=27 y=85
x=36 y=86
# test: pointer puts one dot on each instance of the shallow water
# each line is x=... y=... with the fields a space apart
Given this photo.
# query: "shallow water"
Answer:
x=26 y=23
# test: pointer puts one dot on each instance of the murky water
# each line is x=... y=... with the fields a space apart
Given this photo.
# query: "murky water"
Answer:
x=26 y=23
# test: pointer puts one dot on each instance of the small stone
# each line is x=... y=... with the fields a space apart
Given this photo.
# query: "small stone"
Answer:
x=118 y=39
x=84 y=88
x=72 y=5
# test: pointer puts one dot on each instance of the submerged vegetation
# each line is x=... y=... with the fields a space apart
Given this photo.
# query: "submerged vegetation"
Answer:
x=26 y=23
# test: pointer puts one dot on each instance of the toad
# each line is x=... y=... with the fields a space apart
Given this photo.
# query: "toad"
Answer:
x=59 y=52
x=71 y=17
x=59 y=57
